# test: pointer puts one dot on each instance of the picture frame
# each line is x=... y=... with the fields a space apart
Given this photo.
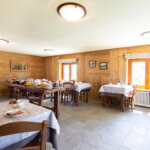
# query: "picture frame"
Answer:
x=103 y=65
x=18 y=66
x=92 y=63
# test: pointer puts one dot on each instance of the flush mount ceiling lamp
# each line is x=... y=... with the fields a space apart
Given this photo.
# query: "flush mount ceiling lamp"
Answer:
x=71 y=11
x=49 y=50
x=3 y=42
x=146 y=34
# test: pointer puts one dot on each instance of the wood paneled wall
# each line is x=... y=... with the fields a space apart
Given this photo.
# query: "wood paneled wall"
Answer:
x=48 y=67
x=117 y=66
x=36 y=68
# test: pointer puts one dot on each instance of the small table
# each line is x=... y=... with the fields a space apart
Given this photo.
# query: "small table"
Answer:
x=78 y=88
x=114 y=90
x=32 y=113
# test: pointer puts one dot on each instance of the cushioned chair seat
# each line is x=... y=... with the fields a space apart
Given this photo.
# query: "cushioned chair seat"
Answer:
x=48 y=103
x=34 y=97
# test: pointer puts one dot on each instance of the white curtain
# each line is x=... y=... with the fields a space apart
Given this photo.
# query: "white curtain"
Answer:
x=73 y=60
x=137 y=56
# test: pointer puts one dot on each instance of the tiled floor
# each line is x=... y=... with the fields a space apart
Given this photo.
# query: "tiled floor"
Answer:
x=92 y=127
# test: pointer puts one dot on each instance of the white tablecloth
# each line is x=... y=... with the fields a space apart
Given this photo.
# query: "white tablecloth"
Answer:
x=117 y=89
x=81 y=86
x=33 y=113
x=78 y=86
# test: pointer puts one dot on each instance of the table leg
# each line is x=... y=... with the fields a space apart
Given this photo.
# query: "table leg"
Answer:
x=62 y=96
x=104 y=101
x=56 y=104
x=122 y=105
x=84 y=96
x=86 y=93
x=77 y=99
x=41 y=100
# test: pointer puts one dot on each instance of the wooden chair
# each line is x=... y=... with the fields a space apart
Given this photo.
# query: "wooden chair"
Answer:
x=16 y=93
x=40 y=98
x=131 y=98
x=24 y=126
x=35 y=99
x=54 y=105
x=69 y=91
x=56 y=84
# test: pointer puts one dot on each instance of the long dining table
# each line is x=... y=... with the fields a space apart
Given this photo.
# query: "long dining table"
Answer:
x=41 y=92
x=32 y=113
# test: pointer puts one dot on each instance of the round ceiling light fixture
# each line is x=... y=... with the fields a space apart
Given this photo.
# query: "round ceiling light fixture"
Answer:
x=49 y=50
x=71 y=11
x=3 y=42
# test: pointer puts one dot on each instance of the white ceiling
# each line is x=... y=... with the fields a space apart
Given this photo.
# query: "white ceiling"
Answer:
x=34 y=25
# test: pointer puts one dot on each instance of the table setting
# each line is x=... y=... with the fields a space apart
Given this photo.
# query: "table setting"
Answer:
x=23 y=111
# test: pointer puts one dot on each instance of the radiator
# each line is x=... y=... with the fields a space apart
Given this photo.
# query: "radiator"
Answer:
x=142 y=99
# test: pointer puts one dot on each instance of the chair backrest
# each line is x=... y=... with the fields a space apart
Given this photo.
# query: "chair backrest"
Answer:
x=24 y=126
x=134 y=91
x=16 y=90
x=68 y=85
x=56 y=84
x=73 y=81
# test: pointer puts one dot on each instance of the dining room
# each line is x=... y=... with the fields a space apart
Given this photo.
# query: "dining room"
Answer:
x=74 y=75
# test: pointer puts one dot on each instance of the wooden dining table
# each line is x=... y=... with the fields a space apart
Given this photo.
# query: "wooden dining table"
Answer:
x=120 y=92
x=79 y=87
x=32 y=113
x=41 y=92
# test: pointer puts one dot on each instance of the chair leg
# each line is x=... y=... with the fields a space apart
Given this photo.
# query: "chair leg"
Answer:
x=67 y=97
x=128 y=102
x=132 y=104
x=64 y=99
x=62 y=96
x=104 y=101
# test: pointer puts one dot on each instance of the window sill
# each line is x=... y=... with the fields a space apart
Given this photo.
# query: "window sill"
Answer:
x=143 y=90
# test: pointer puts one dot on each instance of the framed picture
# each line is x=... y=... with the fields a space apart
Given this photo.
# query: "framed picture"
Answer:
x=92 y=63
x=103 y=66
x=18 y=66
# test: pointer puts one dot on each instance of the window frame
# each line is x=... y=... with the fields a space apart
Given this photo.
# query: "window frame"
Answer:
x=62 y=75
x=147 y=72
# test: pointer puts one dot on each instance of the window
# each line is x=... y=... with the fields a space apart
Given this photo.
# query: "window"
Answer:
x=69 y=71
x=139 y=72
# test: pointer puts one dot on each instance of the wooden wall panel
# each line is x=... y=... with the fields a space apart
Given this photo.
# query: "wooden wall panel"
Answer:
x=94 y=75
x=36 y=68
